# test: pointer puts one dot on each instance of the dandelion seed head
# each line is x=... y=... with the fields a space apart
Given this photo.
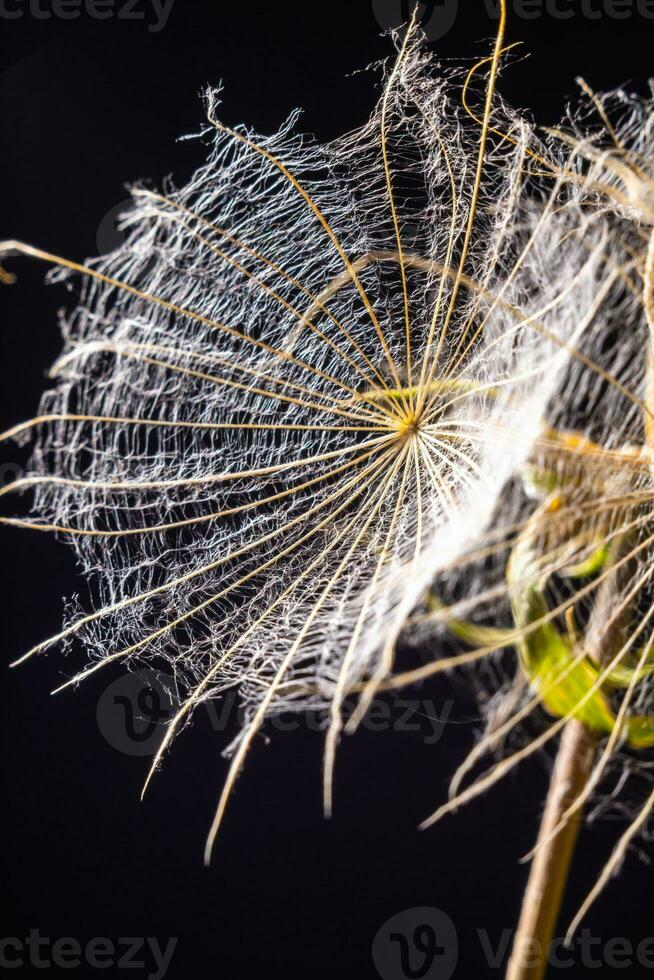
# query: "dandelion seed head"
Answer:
x=287 y=398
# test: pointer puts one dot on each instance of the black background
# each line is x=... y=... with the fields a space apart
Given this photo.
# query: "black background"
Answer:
x=85 y=106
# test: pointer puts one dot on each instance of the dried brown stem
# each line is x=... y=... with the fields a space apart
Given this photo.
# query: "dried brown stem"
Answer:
x=551 y=864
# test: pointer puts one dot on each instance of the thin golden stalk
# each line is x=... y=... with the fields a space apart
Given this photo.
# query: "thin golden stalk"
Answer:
x=551 y=865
